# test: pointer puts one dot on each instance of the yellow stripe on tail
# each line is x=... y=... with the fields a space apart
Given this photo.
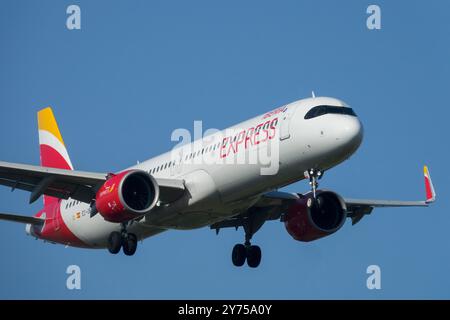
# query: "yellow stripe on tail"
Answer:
x=47 y=122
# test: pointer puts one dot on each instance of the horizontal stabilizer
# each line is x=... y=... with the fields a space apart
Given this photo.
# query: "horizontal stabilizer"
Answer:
x=21 y=219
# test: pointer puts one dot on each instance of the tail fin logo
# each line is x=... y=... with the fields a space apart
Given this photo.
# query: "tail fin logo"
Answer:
x=53 y=150
x=51 y=144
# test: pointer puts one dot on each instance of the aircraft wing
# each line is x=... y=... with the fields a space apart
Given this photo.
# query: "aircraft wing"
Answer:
x=64 y=184
x=274 y=204
x=358 y=208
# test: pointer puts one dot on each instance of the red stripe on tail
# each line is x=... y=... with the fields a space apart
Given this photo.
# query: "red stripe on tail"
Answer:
x=51 y=158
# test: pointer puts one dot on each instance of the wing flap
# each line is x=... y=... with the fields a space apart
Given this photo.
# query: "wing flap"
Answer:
x=170 y=189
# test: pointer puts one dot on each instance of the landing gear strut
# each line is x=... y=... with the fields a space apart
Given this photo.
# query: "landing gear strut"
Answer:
x=313 y=175
x=123 y=239
x=247 y=251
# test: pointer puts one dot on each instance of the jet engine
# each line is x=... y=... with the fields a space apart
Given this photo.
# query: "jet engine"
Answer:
x=309 y=219
x=126 y=196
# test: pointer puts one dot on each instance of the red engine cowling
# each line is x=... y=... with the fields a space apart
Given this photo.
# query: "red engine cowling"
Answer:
x=309 y=219
x=127 y=195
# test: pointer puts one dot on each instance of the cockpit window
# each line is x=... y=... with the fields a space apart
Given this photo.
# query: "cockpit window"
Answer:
x=321 y=110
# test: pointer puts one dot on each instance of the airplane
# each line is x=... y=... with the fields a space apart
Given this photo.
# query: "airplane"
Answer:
x=180 y=190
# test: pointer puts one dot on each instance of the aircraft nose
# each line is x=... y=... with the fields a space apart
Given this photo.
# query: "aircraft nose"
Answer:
x=351 y=132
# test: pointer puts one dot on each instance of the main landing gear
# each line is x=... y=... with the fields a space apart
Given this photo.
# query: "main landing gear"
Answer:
x=248 y=252
x=126 y=241
x=242 y=252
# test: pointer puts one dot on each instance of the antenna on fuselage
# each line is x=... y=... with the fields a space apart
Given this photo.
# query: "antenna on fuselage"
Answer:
x=313 y=94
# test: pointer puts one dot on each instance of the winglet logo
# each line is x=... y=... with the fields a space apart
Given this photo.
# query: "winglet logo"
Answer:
x=429 y=188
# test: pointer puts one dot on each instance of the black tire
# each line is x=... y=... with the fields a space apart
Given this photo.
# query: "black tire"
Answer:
x=253 y=256
x=129 y=244
x=239 y=255
x=114 y=242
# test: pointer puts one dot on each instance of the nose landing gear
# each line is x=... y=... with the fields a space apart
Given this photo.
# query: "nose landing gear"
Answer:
x=313 y=175
x=126 y=241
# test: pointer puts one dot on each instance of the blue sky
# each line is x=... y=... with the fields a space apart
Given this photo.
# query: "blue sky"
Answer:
x=139 y=69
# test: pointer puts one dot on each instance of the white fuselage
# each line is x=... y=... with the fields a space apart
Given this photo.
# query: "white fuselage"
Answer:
x=226 y=172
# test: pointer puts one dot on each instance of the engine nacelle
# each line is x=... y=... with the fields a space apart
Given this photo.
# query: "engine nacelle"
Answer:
x=308 y=219
x=127 y=195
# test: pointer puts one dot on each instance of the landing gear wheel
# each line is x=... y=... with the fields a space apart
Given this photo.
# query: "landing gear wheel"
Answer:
x=253 y=256
x=239 y=255
x=129 y=244
x=114 y=242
